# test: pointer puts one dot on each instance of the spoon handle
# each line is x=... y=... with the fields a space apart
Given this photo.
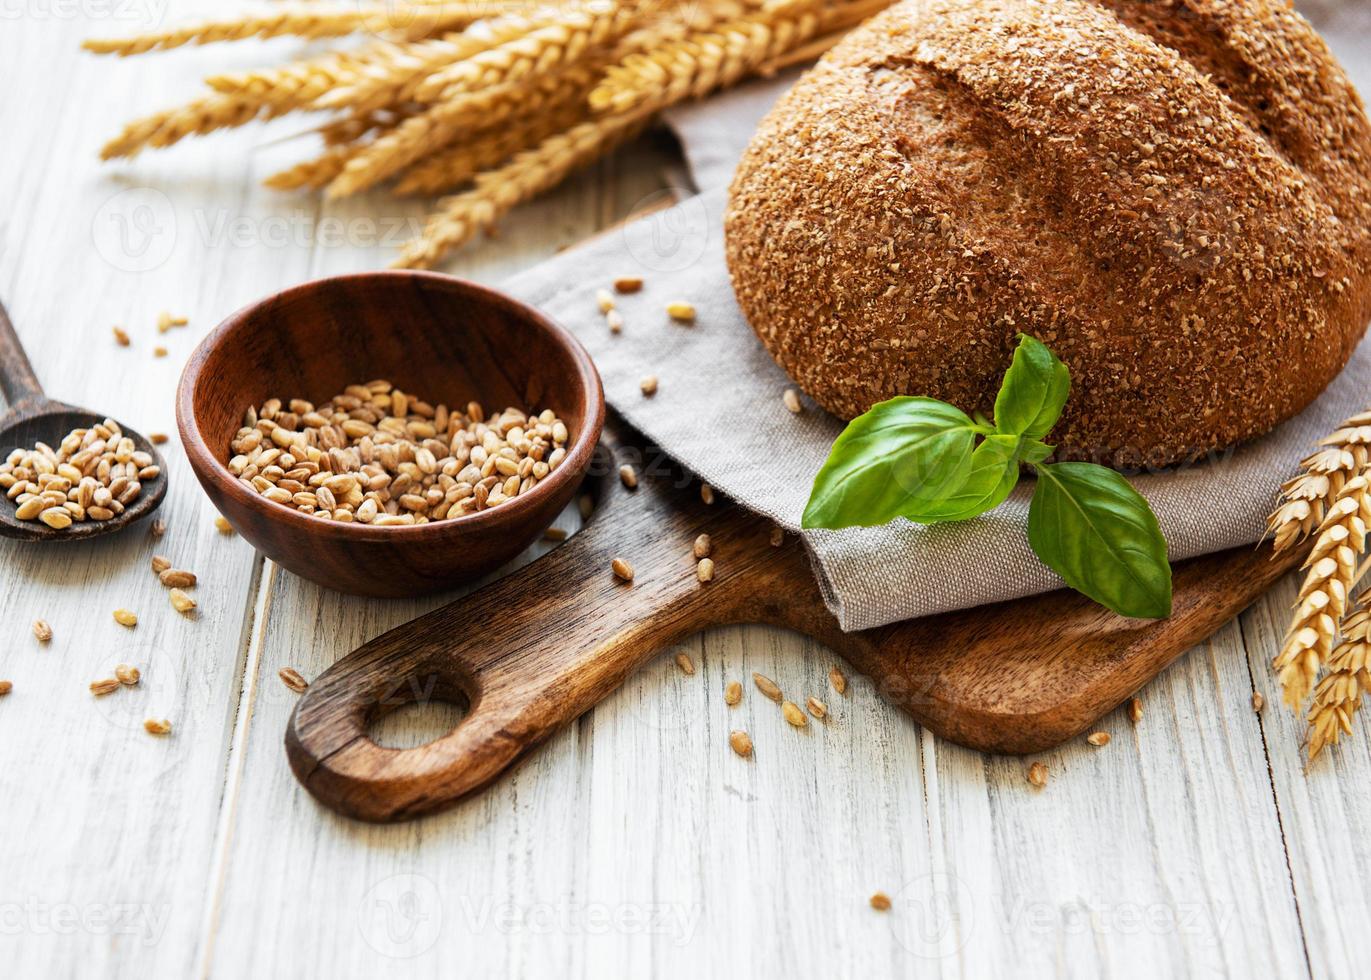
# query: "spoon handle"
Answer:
x=16 y=373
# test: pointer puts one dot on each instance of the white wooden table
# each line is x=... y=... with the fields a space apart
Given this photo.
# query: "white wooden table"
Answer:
x=634 y=844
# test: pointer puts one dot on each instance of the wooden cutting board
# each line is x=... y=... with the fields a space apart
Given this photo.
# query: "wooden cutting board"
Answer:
x=531 y=652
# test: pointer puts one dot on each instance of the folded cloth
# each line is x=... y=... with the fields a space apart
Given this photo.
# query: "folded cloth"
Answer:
x=718 y=409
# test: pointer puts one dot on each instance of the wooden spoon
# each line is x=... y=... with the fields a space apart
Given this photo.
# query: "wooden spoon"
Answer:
x=34 y=417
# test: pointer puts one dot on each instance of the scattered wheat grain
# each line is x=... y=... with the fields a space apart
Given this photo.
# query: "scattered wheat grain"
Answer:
x=622 y=569
x=733 y=693
x=1037 y=775
x=628 y=476
x=648 y=386
x=838 y=679
x=793 y=714
x=628 y=284
x=880 y=902
x=704 y=570
x=128 y=675
x=767 y=686
x=816 y=707
x=792 y=401
x=103 y=687
x=125 y=618
x=177 y=578
x=1098 y=739
x=181 y=602
x=121 y=337
x=154 y=726
x=42 y=631
x=685 y=663
x=292 y=679
x=741 y=742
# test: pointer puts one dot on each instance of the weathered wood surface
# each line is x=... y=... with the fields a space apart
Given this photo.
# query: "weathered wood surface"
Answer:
x=634 y=842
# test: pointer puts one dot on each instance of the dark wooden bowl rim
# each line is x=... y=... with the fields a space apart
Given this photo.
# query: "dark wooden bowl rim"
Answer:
x=210 y=465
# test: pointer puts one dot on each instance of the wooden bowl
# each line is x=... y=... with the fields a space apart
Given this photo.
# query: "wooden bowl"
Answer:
x=443 y=339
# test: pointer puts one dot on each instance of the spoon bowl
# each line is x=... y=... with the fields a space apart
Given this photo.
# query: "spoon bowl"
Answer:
x=33 y=418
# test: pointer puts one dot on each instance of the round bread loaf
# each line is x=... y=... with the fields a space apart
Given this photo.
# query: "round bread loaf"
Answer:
x=1174 y=196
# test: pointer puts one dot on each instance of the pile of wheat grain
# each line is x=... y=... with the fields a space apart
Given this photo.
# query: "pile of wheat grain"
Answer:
x=1330 y=631
x=492 y=102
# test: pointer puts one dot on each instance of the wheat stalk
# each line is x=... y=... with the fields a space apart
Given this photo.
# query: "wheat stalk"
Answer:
x=1339 y=694
x=497 y=191
x=1305 y=497
x=495 y=94
x=458 y=164
x=715 y=57
x=242 y=98
x=538 y=52
x=1331 y=573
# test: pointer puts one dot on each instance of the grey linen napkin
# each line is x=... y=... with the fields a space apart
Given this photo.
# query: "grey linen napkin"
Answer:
x=718 y=410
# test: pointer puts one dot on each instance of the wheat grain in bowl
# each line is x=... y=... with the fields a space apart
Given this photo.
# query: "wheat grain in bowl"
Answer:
x=377 y=455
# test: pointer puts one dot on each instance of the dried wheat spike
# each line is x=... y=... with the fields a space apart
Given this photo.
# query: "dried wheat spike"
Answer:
x=752 y=42
x=704 y=60
x=1305 y=498
x=398 y=82
x=204 y=115
x=537 y=52
x=1338 y=695
x=459 y=164
x=312 y=174
x=528 y=174
x=240 y=99
x=302 y=21
x=1332 y=569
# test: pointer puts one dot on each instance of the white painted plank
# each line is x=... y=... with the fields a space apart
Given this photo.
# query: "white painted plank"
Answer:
x=108 y=831
x=1325 y=813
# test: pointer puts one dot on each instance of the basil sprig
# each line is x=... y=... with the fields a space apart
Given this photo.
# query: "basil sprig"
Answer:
x=924 y=460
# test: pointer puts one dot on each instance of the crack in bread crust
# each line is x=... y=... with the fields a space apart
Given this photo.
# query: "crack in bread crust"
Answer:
x=1174 y=197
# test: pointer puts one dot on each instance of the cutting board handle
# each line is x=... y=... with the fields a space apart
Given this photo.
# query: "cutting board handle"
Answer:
x=535 y=650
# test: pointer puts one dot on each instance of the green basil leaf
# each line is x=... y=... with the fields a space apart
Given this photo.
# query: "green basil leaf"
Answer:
x=1033 y=392
x=1094 y=530
x=904 y=454
x=993 y=474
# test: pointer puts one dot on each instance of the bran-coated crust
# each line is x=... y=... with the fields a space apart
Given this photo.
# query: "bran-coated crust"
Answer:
x=1175 y=196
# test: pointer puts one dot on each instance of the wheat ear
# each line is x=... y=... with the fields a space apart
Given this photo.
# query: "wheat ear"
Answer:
x=395 y=82
x=239 y=99
x=534 y=171
x=1305 y=498
x=1331 y=574
x=538 y=52
x=702 y=60
x=458 y=164
x=302 y=21
x=1339 y=694
x=526 y=175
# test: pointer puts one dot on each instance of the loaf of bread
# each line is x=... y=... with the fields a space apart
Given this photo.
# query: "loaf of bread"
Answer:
x=1174 y=195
